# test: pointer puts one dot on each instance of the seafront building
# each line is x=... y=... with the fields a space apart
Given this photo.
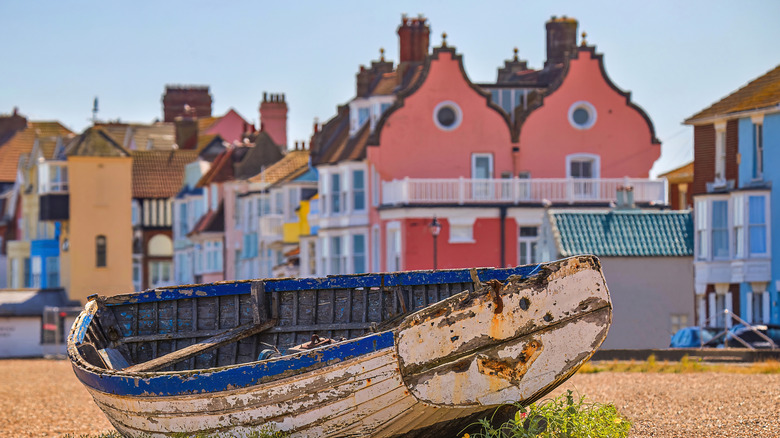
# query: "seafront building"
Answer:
x=736 y=157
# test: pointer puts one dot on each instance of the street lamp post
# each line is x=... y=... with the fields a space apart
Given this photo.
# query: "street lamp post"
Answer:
x=435 y=228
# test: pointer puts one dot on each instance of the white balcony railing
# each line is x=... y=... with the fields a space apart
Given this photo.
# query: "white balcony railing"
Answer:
x=517 y=190
x=271 y=227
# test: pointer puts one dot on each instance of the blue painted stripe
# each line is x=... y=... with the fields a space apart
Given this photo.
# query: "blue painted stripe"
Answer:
x=409 y=278
x=83 y=325
x=203 y=381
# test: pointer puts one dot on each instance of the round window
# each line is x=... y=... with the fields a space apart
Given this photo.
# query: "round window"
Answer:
x=447 y=115
x=582 y=115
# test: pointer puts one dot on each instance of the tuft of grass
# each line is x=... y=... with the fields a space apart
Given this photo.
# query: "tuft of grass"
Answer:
x=563 y=416
x=685 y=365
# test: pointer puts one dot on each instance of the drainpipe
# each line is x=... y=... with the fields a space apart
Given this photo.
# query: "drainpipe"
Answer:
x=502 y=227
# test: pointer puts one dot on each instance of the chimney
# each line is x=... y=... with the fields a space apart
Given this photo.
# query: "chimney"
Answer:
x=413 y=39
x=364 y=79
x=186 y=131
x=177 y=97
x=273 y=118
x=625 y=198
x=561 y=39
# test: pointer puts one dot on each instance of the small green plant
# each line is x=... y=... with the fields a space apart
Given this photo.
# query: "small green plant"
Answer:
x=562 y=417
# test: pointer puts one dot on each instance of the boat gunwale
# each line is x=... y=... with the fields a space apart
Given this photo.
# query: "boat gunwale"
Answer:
x=347 y=281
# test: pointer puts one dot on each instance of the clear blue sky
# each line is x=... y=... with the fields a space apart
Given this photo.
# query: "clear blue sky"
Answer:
x=676 y=57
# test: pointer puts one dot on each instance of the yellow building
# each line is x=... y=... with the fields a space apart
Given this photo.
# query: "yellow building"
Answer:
x=96 y=239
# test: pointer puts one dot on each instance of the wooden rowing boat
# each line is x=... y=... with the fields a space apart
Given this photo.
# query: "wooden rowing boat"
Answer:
x=409 y=353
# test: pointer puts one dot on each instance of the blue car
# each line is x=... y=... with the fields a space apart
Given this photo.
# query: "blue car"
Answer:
x=695 y=337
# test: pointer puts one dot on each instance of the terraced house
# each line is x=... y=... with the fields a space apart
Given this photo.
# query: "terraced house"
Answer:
x=426 y=169
x=736 y=157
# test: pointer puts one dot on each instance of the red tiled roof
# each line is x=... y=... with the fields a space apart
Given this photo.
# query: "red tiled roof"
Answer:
x=159 y=174
x=762 y=92
x=22 y=143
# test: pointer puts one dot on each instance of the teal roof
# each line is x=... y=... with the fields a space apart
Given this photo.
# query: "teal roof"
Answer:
x=630 y=233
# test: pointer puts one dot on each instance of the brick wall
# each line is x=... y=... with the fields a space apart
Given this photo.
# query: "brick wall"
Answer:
x=703 y=157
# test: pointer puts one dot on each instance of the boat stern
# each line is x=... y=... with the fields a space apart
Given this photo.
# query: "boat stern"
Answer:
x=510 y=341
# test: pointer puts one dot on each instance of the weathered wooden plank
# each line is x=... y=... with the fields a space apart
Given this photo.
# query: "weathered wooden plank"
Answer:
x=231 y=335
x=259 y=308
x=113 y=358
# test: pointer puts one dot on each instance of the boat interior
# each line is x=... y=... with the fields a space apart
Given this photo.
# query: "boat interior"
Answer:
x=204 y=326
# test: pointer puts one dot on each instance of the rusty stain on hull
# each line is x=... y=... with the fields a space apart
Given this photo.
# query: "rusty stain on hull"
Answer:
x=511 y=369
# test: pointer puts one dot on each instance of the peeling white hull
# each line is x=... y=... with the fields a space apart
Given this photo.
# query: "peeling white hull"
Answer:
x=460 y=357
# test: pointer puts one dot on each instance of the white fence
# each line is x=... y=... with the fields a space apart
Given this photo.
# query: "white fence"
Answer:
x=517 y=190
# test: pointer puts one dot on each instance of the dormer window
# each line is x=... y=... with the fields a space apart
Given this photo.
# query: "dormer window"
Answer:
x=363 y=114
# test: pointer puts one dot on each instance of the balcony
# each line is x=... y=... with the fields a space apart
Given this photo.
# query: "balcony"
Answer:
x=518 y=191
x=271 y=227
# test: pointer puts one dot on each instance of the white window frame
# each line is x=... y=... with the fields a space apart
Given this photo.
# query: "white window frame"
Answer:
x=461 y=229
x=353 y=252
x=528 y=241
x=595 y=159
x=374 y=186
x=720 y=151
x=726 y=227
x=458 y=115
x=758 y=149
x=587 y=106
x=354 y=190
x=376 y=248
x=701 y=214
x=394 y=247
x=766 y=225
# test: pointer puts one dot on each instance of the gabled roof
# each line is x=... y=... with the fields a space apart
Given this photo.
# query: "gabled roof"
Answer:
x=681 y=174
x=264 y=153
x=536 y=98
x=346 y=148
x=94 y=142
x=204 y=123
x=221 y=169
x=417 y=78
x=159 y=174
x=629 y=233
x=762 y=92
x=334 y=133
x=22 y=142
x=211 y=222
x=293 y=165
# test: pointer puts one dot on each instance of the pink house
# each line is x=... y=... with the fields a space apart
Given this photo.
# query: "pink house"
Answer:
x=485 y=160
